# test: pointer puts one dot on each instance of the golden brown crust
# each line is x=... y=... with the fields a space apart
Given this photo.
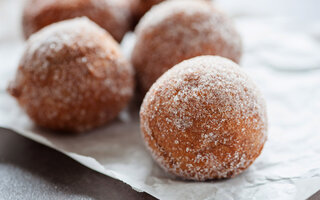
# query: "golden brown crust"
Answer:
x=112 y=15
x=72 y=77
x=177 y=30
x=204 y=119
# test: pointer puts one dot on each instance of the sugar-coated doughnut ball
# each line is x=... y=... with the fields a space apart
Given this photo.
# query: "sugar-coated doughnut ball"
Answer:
x=176 y=30
x=204 y=119
x=112 y=15
x=140 y=7
x=72 y=77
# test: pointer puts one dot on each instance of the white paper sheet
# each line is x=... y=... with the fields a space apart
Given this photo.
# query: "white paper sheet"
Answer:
x=284 y=60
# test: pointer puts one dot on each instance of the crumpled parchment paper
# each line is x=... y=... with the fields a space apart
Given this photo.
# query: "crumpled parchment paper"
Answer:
x=282 y=55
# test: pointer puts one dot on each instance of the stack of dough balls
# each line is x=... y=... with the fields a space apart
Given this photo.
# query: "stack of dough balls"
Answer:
x=204 y=119
x=176 y=30
x=112 y=15
x=72 y=77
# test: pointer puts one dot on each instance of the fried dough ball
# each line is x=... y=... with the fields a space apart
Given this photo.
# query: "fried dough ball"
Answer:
x=140 y=7
x=204 y=119
x=72 y=77
x=112 y=15
x=177 y=30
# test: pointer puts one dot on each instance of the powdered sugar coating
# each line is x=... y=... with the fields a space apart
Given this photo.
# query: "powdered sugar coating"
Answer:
x=177 y=30
x=72 y=76
x=112 y=15
x=204 y=119
x=140 y=7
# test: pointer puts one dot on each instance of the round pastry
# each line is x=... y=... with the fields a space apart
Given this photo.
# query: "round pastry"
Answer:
x=204 y=119
x=112 y=15
x=72 y=77
x=177 y=30
x=140 y=7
